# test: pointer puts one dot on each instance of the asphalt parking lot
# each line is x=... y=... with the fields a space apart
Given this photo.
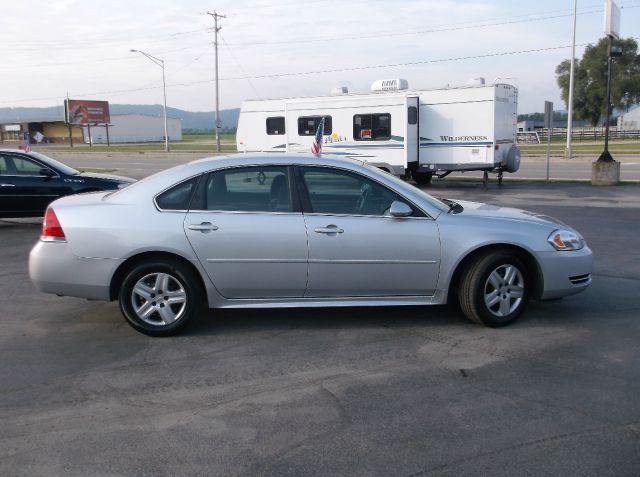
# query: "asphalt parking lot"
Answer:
x=384 y=391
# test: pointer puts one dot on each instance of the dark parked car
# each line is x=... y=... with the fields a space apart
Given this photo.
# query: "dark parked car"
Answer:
x=29 y=181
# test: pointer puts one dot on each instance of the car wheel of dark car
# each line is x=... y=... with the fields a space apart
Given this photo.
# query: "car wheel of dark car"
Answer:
x=159 y=298
x=495 y=289
x=422 y=178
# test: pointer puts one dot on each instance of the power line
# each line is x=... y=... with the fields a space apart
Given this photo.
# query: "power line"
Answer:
x=442 y=29
x=315 y=72
x=240 y=66
x=453 y=27
x=89 y=43
x=13 y=66
x=409 y=63
x=398 y=34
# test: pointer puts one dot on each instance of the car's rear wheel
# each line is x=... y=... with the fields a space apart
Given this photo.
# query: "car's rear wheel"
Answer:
x=495 y=289
x=159 y=298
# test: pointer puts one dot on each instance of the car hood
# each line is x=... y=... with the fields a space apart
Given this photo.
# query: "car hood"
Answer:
x=488 y=211
x=111 y=177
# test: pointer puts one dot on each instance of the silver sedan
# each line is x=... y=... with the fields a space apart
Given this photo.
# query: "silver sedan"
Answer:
x=258 y=231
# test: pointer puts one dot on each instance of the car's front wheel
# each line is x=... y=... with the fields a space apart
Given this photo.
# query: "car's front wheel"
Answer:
x=495 y=289
x=159 y=298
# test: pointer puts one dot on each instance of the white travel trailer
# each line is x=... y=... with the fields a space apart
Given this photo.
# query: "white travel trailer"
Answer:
x=416 y=132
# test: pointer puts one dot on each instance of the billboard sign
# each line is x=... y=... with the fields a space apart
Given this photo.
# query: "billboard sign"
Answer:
x=611 y=19
x=80 y=111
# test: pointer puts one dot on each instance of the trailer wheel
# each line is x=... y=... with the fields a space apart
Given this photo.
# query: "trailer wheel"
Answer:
x=422 y=178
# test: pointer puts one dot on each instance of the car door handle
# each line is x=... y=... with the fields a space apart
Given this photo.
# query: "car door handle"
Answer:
x=329 y=229
x=7 y=185
x=203 y=227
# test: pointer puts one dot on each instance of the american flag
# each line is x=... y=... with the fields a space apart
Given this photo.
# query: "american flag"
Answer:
x=316 y=147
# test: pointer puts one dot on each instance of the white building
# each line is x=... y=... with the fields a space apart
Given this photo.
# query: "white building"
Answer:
x=135 y=128
x=629 y=121
x=526 y=126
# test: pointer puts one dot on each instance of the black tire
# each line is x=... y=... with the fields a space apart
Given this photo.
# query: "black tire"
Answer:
x=486 y=280
x=182 y=299
x=422 y=178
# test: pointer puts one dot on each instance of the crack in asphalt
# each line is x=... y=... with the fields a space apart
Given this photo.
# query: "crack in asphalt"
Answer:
x=626 y=427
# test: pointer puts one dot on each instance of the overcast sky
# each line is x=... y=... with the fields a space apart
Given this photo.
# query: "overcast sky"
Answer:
x=267 y=47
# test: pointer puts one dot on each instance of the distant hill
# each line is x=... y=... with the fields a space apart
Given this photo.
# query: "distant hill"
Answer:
x=194 y=121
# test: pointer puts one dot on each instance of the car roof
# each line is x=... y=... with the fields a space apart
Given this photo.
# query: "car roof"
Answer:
x=257 y=158
x=152 y=185
x=169 y=177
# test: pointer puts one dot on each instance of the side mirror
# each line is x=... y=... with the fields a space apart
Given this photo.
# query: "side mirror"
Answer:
x=400 y=209
x=46 y=172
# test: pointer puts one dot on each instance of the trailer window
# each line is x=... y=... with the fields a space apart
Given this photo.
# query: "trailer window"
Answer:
x=308 y=125
x=275 y=126
x=372 y=127
x=412 y=115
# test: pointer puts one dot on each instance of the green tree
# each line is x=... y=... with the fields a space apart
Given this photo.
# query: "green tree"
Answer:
x=590 y=95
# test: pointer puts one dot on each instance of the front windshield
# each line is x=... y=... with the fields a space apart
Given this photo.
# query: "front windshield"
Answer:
x=402 y=184
x=70 y=171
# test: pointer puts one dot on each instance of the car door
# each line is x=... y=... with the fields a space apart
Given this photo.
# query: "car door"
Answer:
x=31 y=190
x=355 y=247
x=10 y=206
x=246 y=227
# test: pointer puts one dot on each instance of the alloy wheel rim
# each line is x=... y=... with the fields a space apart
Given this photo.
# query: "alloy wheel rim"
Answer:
x=159 y=299
x=504 y=290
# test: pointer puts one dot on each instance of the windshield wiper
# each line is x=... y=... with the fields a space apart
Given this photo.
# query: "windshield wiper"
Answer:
x=453 y=205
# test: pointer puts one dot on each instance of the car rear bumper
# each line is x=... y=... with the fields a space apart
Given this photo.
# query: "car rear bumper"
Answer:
x=565 y=273
x=53 y=268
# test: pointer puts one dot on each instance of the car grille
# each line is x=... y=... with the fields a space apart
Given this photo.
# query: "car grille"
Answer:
x=580 y=279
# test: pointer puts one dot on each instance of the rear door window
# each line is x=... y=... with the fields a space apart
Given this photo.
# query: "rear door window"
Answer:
x=4 y=168
x=248 y=189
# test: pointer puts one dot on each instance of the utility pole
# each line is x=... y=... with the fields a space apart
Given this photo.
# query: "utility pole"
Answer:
x=568 y=152
x=215 y=16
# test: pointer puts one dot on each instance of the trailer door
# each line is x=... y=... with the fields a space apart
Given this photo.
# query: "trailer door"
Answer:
x=412 y=132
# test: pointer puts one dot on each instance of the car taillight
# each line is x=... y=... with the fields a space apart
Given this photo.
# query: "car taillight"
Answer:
x=51 y=228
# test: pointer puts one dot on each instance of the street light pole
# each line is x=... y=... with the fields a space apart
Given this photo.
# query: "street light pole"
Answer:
x=160 y=63
x=605 y=171
x=611 y=53
x=606 y=156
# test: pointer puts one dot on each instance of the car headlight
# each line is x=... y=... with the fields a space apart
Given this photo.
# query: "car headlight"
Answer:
x=565 y=240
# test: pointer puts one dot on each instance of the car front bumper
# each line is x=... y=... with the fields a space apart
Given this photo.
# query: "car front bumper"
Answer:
x=565 y=273
x=53 y=268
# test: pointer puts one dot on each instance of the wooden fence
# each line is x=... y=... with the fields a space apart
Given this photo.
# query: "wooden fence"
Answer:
x=589 y=133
